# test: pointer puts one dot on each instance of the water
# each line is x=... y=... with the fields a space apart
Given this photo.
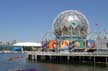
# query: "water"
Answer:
x=19 y=61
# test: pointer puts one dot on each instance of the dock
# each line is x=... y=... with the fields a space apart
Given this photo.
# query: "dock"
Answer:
x=69 y=56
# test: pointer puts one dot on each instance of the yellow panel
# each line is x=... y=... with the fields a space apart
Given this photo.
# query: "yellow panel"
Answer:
x=64 y=43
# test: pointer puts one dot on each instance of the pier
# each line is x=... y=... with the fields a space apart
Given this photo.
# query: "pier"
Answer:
x=69 y=41
x=96 y=57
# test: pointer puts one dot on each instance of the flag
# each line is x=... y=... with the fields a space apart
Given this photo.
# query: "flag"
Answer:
x=97 y=24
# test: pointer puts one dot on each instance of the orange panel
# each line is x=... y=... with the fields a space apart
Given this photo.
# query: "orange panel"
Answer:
x=52 y=44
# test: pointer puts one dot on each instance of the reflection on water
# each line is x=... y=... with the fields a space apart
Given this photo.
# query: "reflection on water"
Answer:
x=19 y=61
x=74 y=67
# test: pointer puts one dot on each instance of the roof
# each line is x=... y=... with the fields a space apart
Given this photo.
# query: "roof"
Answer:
x=28 y=44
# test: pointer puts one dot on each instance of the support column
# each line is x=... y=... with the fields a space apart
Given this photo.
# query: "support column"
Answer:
x=79 y=58
x=29 y=57
x=90 y=58
x=94 y=59
x=106 y=60
x=68 y=58
x=33 y=57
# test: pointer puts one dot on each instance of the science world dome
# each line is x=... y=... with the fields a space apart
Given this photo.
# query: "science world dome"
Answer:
x=71 y=22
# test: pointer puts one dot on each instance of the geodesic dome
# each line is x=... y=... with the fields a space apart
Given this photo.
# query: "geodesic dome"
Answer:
x=70 y=22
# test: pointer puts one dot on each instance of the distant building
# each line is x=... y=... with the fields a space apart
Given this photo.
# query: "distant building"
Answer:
x=28 y=46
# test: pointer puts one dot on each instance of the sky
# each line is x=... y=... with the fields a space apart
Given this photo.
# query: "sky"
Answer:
x=29 y=20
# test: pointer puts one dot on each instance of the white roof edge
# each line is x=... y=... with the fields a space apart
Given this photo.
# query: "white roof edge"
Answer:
x=27 y=44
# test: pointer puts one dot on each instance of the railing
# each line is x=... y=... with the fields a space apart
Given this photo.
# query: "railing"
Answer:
x=68 y=53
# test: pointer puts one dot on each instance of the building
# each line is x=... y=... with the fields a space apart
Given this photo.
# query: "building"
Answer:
x=28 y=46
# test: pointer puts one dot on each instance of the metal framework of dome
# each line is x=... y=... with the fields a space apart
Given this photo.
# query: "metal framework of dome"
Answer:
x=70 y=22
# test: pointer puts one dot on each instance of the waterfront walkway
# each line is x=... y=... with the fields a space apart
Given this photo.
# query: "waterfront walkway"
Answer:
x=101 y=54
x=65 y=56
x=69 y=56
